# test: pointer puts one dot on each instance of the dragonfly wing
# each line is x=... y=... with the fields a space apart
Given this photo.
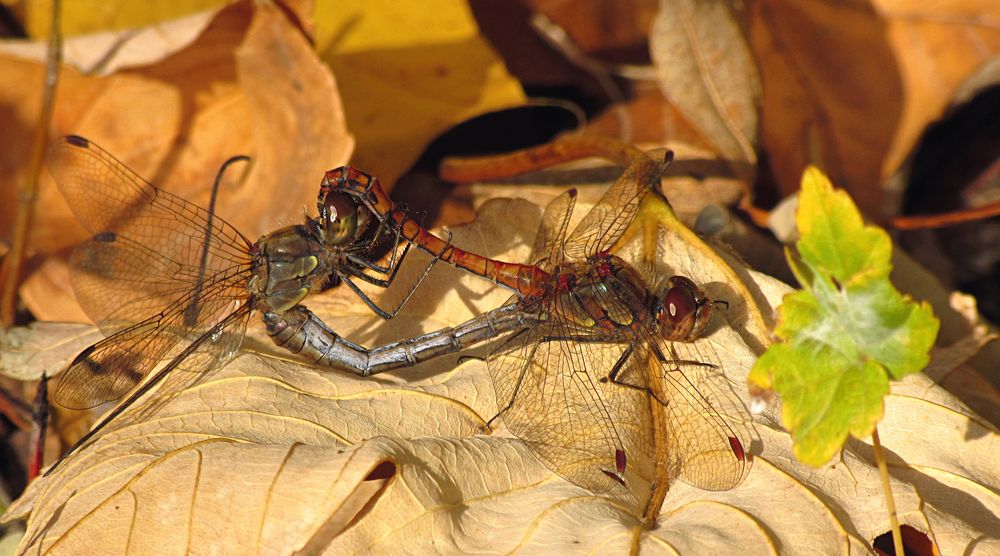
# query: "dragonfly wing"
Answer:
x=601 y=228
x=701 y=412
x=148 y=246
x=120 y=281
x=547 y=251
x=206 y=350
x=558 y=404
x=110 y=368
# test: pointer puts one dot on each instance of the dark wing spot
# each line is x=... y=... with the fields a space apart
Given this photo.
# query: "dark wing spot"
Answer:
x=737 y=447
x=105 y=237
x=615 y=477
x=78 y=141
x=123 y=363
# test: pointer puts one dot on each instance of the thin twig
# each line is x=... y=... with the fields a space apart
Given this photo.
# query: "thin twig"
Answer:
x=945 y=219
x=40 y=425
x=29 y=191
x=557 y=38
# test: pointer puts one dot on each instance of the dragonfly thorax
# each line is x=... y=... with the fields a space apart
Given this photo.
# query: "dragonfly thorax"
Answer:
x=289 y=264
x=603 y=292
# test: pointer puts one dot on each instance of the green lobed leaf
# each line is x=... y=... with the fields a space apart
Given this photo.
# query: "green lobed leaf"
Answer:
x=846 y=332
x=825 y=397
x=834 y=239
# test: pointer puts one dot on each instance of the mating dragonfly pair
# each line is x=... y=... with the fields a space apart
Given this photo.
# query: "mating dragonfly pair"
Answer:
x=581 y=351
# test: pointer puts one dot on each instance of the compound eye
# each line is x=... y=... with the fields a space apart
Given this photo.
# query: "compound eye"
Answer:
x=341 y=220
x=685 y=311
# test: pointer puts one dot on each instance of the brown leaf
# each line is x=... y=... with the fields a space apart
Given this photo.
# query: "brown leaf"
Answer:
x=850 y=87
x=610 y=30
x=248 y=84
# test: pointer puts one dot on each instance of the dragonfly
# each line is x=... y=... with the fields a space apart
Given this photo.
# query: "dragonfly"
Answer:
x=589 y=361
x=166 y=279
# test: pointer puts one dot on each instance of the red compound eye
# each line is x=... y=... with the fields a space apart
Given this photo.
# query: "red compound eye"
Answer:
x=685 y=310
x=340 y=218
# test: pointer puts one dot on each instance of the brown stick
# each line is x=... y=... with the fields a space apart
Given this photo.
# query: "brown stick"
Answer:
x=27 y=194
x=946 y=219
x=562 y=149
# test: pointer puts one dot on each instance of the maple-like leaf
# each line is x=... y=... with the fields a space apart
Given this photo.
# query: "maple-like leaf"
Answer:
x=847 y=333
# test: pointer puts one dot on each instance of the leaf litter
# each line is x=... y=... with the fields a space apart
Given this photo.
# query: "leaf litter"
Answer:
x=295 y=445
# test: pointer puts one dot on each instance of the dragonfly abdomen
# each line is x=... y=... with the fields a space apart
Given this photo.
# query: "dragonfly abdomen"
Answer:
x=300 y=331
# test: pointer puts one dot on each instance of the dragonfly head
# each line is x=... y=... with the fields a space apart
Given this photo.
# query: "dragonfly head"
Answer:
x=682 y=310
x=342 y=221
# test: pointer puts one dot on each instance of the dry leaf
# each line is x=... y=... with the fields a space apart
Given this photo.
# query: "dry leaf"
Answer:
x=850 y=87
x=270 y=455
x=652 y=120
x=27 y=352
x=250 y=83
x=87 y=17
x=408 y=73
x=608 y=30
x=705 y=68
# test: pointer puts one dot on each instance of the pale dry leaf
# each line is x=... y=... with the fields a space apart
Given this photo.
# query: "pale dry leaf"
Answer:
x=104 y=53
x=705 y=68
x=293 y=446
x=26 y=352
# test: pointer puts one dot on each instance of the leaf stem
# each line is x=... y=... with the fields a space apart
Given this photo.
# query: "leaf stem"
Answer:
x=883 y=469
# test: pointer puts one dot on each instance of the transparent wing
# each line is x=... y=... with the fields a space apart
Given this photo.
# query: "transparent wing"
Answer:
x=205 y=351
x=702 y=449
x=550 y=375
x=148 y=247
x=547 y=250
x=109 y=369
x=601 y=228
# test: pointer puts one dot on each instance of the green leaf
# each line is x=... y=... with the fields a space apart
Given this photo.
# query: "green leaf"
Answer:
x=825 y=396
x=846 y=333
x=834 y=240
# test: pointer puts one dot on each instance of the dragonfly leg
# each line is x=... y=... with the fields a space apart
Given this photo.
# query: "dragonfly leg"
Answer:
x=387 y=282
x=368 y=300
x=616 y=370
x=520 y=378
x=394 y=262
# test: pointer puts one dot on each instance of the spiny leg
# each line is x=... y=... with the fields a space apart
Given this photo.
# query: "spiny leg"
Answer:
x=386 y=283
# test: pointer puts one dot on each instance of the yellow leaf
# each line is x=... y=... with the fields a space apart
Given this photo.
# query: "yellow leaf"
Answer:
x=407 y=72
